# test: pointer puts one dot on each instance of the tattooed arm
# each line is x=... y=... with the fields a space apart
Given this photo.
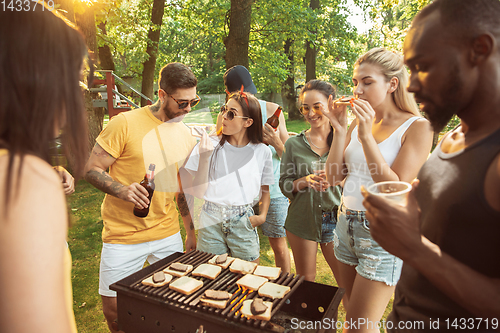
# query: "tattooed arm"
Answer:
x=185 y=203
x=95 y=173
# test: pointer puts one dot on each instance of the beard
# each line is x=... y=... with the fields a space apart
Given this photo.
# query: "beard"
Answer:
x=450 y=102
x=173 y=113
x=441 y=119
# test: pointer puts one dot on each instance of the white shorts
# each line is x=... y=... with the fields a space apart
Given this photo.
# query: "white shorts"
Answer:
x=121 y=260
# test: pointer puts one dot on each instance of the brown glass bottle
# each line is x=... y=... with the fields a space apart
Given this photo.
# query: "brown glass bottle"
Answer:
x=149 y=184
x=274 y=119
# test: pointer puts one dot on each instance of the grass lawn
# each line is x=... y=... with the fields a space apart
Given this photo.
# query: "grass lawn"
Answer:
x=84 y=240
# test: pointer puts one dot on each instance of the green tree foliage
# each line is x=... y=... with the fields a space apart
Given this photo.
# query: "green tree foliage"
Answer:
x=392 y=20
x=334 y=39
x=193 y=32
x=127 y=25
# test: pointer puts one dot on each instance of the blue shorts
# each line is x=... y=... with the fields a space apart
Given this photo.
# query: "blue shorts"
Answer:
x=355 y=246
x=328 y=226
x=274 y=226
x=227 y=229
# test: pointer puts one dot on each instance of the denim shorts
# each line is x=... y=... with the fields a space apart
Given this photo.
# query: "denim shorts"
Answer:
x=227 y=229
x=274 y=226
x=328 y=226
x=355 y=246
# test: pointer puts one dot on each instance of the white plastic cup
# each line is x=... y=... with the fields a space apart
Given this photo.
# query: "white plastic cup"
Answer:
x=392 y=190
x=318 y=166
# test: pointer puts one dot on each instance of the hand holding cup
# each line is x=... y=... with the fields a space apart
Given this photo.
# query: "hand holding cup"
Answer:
x=318 y=168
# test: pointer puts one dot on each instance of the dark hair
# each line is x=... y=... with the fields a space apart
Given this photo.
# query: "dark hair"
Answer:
x=254 y=131
x=40 y=66
x=175 y=76
x=465 y=19
x=327 y=90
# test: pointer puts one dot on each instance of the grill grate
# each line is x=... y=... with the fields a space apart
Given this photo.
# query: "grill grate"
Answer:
x=159 y=310
x=226 y=281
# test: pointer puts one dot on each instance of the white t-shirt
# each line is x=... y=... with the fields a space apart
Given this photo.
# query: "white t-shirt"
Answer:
x=239 y=172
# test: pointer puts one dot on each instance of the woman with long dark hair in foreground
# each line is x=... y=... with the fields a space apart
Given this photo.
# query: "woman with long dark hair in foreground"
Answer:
x=41 y=65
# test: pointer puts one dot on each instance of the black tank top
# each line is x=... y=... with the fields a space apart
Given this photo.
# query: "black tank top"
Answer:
x=457 y=217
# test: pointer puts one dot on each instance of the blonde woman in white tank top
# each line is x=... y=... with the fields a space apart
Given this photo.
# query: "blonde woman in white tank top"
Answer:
x=388 y=140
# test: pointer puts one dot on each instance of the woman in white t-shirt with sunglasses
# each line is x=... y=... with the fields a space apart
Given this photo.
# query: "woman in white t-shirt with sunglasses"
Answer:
x=231 y=172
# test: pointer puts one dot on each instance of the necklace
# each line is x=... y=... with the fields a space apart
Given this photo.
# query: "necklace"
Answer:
x=310 y=140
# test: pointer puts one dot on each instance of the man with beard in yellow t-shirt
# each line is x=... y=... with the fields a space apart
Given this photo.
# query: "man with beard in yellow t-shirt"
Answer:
x=127 y=146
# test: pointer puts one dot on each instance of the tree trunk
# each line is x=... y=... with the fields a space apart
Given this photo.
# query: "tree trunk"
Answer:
x=85 y=20
x=106 y=61
x=105 y=55
x=311 y=50
x=95 y=117
x=239 y=33
x=148 y=71
x=288 y=89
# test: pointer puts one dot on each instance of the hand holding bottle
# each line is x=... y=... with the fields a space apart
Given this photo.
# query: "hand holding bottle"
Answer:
x=148 y=185
x=270 y=135
x=274 y=119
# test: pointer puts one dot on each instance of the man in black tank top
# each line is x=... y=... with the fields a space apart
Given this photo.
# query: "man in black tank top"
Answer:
x=448 y=234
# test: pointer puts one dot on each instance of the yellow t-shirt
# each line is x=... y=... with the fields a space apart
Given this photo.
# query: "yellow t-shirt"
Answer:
x=135 y=139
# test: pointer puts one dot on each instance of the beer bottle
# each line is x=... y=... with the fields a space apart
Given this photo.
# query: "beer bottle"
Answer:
x=149 y=184
x=274 y=119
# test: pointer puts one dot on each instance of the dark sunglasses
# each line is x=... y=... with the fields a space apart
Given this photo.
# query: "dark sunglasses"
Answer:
x=317 y=108
x=184 y=104
x=230 y=113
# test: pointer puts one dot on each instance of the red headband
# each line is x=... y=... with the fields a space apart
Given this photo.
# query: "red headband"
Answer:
x=242 y=94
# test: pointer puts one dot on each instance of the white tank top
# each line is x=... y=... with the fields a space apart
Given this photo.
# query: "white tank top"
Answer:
x=359 y=170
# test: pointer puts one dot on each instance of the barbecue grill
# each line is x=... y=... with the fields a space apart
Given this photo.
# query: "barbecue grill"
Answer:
x=145 y=309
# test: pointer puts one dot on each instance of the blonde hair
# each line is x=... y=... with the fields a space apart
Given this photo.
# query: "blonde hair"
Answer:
x=392 y=65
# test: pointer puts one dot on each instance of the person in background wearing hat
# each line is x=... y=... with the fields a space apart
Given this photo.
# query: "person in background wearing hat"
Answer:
x=235 y=78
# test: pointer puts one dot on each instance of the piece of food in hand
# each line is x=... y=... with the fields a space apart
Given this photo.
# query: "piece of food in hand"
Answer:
x=272 y=273
x=251 y=281
x=225 y=264
x=219 y=295
x=186 y=285
x=247 y=311
x=242 y=267
x=207 y=270
x=345 y=100
x=197 y=131
x=178 y=269
x=273 y=290
x=150 y=281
